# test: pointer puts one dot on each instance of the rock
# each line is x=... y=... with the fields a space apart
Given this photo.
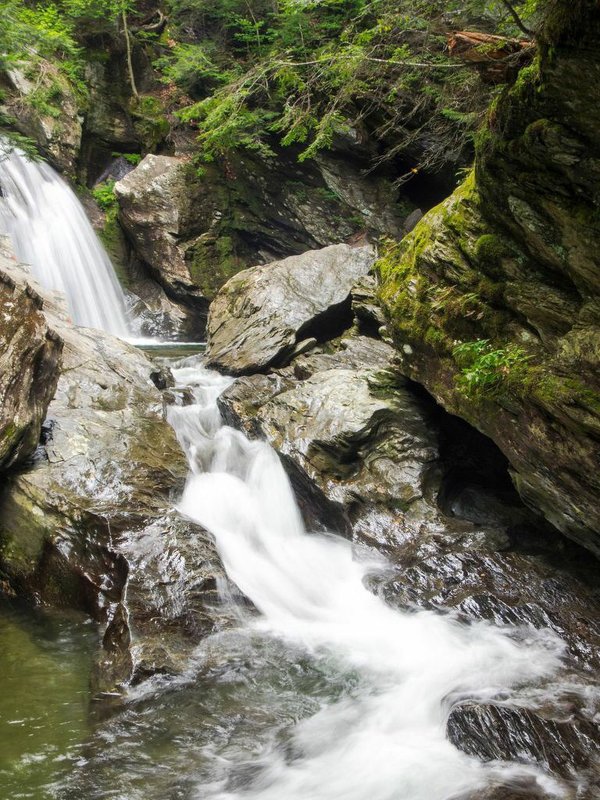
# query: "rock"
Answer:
x=248 y=210
x=30 y=353
x=568 y=747
x=155 y=209
x=92 y=523
x=344 y=422
x=367 y=311
x=260 y=315
x=55 y=123
x=511 y=259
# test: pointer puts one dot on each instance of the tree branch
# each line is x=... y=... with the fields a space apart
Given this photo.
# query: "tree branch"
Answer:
x=518 y=21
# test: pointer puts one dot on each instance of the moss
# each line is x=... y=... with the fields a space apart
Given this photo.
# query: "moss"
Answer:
x=150 y=121
x=211 y=262
x=550 y=389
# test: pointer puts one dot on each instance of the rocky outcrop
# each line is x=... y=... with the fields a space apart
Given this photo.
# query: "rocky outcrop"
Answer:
x=345 y=422
x=196 y=228
x=41 y=103
x=263 y=315
x=494 y=298
x=155 y=209
x=91 y=524
x=30 y=354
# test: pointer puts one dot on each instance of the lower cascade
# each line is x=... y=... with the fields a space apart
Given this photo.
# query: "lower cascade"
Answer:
x=384 y=738
x=50 y=231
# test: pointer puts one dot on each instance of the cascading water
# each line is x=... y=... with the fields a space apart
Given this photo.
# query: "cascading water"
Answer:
x=386 y=739
x=50 y=231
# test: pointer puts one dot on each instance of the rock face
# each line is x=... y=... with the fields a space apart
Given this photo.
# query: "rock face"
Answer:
x=343 y=420
x=155 y=211
x=509 y=267
x=43 y=105
x=195 y=230
x=262 y=314
x=92 y=523
x=30 y=354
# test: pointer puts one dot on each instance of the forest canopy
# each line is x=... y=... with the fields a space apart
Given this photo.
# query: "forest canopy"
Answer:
x=261 y=74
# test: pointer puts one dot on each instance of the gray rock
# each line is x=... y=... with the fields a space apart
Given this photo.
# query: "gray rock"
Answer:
x=153 y=202
x=344 y=422
x=30 y=353
x=260 y=315
x=92 y=523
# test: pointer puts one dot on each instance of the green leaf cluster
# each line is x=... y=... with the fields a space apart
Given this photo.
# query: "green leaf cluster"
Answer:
x=303 y=72
x=490 y=372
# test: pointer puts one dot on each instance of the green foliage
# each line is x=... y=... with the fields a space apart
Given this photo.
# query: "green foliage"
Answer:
x=104 y=195
x=131 y=158
x=489 y=372
x=307 y=72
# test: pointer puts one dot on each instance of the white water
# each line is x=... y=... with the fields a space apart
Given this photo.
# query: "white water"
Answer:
x=50 y=231
x=387 y=743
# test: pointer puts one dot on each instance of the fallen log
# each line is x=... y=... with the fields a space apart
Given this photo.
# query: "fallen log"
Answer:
x=498 y=58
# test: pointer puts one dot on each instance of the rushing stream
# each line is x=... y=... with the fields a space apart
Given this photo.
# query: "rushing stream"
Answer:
x=318 y=691
x=326 y=694
x=386 y=741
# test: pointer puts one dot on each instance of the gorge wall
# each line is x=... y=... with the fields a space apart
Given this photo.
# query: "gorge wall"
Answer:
x=493 y=299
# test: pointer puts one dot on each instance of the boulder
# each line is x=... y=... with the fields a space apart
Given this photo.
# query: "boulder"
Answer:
x=92 y=523
x=569 y=748
x=261 y=314
x=344 y=422
x=196 y=228
x=30 y=352
x=155 y=209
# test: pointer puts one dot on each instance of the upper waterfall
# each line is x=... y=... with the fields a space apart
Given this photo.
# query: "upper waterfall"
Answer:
x=50 y=231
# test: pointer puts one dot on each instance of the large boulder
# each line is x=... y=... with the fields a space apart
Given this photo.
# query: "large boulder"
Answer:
x=196 y=228
x=157 y=211
x=30 y=353
x=261 y=315
x=348 y=423
x=493 y=299
x=92 y=523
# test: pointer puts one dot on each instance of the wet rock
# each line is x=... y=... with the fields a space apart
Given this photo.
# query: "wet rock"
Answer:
x=92 y=525
x=260 y=315
x=30 y=352
x=343 y=421
x=569 y=748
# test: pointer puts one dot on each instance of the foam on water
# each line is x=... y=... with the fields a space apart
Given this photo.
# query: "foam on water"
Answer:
x=388 y=742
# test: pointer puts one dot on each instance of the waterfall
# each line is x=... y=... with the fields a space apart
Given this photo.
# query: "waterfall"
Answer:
x=50 y=231
x=386 y=741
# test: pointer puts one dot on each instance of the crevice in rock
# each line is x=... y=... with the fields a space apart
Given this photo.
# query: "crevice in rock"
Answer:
x=476 y=485
x=329 y=324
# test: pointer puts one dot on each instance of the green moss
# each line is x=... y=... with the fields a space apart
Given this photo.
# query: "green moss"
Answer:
x=550 y=390
x=211 y=262
x=150 y=121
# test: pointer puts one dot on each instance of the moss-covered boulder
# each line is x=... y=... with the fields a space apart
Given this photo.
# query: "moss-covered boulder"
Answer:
x=30 y=352
x=494 y=299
